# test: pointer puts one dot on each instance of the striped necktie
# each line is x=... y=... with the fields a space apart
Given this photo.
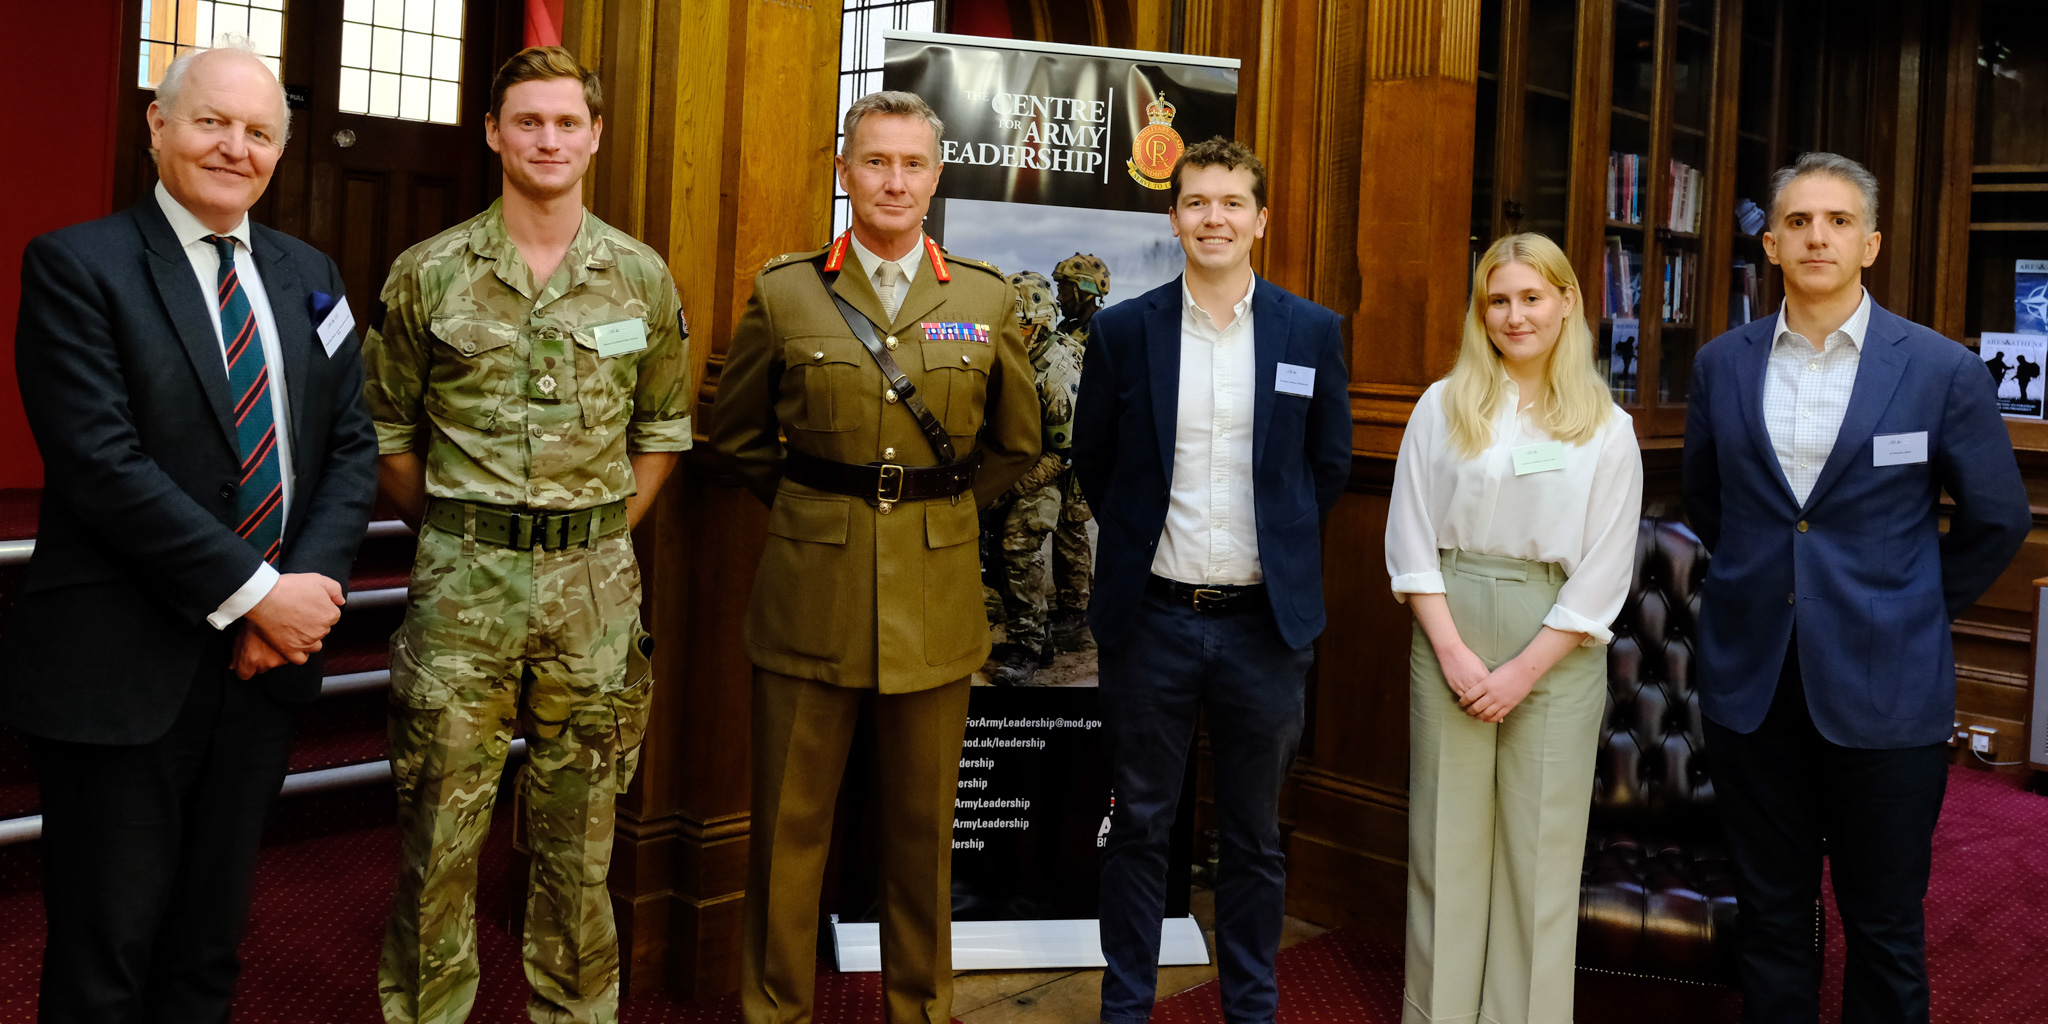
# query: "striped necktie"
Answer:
x=259 y=500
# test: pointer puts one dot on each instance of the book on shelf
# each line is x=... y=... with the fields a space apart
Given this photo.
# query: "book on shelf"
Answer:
x=2030 y=296
x=1680 y=272
x=1745 y=293
x=1749 y=218
x=1621 y=277
x=2015 y=362
x=1623 y=356
x=1625 y=187
x=1686 y=194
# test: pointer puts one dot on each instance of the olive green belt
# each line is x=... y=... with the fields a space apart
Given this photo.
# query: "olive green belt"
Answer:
x=523 y=528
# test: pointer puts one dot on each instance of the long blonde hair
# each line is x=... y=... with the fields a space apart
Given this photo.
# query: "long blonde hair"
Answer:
x=1574 y=402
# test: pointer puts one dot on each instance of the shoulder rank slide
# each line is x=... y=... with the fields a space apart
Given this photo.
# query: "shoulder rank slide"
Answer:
x=955 y=332
x=836 y=256
x=938 y=258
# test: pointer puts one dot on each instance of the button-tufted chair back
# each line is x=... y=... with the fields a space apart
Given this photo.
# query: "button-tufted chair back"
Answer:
x=1657 y=897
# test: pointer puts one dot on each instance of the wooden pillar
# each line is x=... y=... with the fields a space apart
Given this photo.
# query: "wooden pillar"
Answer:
x=1347 y=854
x=718 y=152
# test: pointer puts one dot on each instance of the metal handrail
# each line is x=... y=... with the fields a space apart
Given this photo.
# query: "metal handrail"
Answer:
x=319 y=780
x=17 y=552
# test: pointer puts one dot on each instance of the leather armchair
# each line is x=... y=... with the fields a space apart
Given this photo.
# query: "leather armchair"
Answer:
x=1657 y=896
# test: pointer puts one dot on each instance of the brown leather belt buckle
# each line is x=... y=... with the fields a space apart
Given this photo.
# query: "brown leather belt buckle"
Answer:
x=886 y=497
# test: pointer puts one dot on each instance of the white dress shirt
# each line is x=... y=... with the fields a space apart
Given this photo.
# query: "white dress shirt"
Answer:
x=870 y=263
x=1582 y=516
x=1211 y=534
x=205 y=260
x=1806 y=394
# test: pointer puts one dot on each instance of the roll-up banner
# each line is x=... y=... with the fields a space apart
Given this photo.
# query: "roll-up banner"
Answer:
x=1050 y=151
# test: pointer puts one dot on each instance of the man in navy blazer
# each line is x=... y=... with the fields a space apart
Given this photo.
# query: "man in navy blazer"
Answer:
x=1818 y=445
x=1212 y=434
x=196 y=393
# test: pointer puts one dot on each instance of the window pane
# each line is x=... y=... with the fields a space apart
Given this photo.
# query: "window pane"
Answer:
x=448 y=18
x=419 y=54
x=356 y=10
x=383 y=94
x=355 y=91
x=419 y=15
x=447 y=102
x=169 y=28
x=386 y=50
x=355 y=45
x=413 y=101
x=390 y=13
x=448 y=59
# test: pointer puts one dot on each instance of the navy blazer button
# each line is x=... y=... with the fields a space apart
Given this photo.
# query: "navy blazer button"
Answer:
x=1789 y=598
x=227 y=491
x=1802 y=526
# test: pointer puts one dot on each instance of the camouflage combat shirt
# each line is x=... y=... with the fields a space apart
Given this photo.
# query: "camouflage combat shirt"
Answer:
x=521 y=392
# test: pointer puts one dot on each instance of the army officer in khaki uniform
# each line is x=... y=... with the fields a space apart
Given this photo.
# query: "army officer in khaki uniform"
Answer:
x=870 y=584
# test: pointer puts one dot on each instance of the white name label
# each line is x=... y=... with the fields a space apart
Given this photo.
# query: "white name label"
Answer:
x=1899 y=449
x=1538 y=458
x=336 y=327
x=617 y=339
x=1295 y=380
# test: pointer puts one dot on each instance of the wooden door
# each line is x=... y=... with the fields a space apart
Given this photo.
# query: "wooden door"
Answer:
x=358 y=186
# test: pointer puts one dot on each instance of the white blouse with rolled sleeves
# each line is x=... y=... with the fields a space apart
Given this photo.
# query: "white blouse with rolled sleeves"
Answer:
x=1582 y=516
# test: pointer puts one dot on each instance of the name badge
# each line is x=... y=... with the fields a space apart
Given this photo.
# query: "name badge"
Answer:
x=1538 y=458
x=1899 y=449
x=617 y=339
x=1295 y=380
x=336 y=327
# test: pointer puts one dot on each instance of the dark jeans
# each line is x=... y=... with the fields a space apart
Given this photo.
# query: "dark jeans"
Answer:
x=149 y=853
x=1174 y=662
x=1788 y=796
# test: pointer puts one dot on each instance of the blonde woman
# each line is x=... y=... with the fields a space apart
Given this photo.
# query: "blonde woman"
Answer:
x=1512 y=537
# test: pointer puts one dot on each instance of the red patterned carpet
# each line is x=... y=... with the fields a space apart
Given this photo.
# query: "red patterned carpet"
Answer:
x=311 y=952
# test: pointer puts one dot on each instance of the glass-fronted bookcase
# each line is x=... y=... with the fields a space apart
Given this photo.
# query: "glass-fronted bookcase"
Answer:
x=1641 y=135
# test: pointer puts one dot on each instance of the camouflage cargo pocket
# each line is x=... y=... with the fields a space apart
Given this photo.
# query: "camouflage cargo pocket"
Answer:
x=630 y=705
x=413 y=684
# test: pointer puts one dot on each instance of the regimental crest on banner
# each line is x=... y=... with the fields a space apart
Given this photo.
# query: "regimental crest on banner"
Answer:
x=1157 y=147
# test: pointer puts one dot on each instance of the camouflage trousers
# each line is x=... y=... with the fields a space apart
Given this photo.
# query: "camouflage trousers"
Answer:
x=549 y=641
x=1023 y=578
x=1072 y=557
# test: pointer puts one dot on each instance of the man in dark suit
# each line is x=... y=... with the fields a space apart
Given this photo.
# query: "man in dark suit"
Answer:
x=196 y=392
x=1212 y=435
x=1818 y=445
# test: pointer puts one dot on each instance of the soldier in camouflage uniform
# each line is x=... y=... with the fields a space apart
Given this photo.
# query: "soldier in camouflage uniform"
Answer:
x=1031 y=509
x=525 y=416
x=1083 y=282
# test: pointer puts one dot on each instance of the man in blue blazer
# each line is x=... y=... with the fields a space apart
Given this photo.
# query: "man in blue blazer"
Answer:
x=1818 y=445
x=197 y=395
x=1212 y=434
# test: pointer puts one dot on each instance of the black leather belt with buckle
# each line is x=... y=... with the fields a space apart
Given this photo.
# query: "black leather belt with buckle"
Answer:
x=522 y=528
x=1210 y=599
x=883 y=484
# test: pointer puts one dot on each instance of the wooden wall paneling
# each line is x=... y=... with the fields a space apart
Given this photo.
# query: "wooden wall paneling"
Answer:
x=1415 y=64
x=1285 y=133
x=1957 y=153
x=701 y=161
x=1333 y=270
x=1717 y=218
x=1897 y=118
x=1592 y=126
x=1237 y=28
x=1151 y=25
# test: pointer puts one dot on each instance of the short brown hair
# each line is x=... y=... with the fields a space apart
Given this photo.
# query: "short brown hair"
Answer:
x=903 y=104
x=1228 y=154
x=540 y=64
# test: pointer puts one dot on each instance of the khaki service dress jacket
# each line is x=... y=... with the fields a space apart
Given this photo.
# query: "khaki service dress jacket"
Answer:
x=847 y=594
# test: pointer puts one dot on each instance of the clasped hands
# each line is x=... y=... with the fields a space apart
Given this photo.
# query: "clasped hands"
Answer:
x=1486 y=696
x=288 y=624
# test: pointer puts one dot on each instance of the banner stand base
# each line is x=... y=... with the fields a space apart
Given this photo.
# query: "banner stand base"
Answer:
x=1016 y=945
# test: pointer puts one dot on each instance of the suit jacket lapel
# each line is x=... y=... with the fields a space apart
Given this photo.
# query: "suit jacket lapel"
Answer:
x=1878 y=370
x=1162 y=344
x=1749 y=387
x=291 y=311
x=191 y=313
x=1269 y=342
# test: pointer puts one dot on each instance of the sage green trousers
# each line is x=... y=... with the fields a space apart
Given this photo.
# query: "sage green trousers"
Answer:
x=1497 y=813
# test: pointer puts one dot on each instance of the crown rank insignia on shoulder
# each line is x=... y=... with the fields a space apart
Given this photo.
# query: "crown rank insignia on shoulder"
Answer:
x=955 y=332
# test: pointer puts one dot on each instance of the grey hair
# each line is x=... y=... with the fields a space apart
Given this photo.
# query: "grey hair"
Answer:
x=1835 y=166
x=908 y=104
x=174 y=78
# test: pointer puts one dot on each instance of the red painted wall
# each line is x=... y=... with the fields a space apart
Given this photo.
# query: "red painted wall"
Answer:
x=983 y=18
x=71 y=51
